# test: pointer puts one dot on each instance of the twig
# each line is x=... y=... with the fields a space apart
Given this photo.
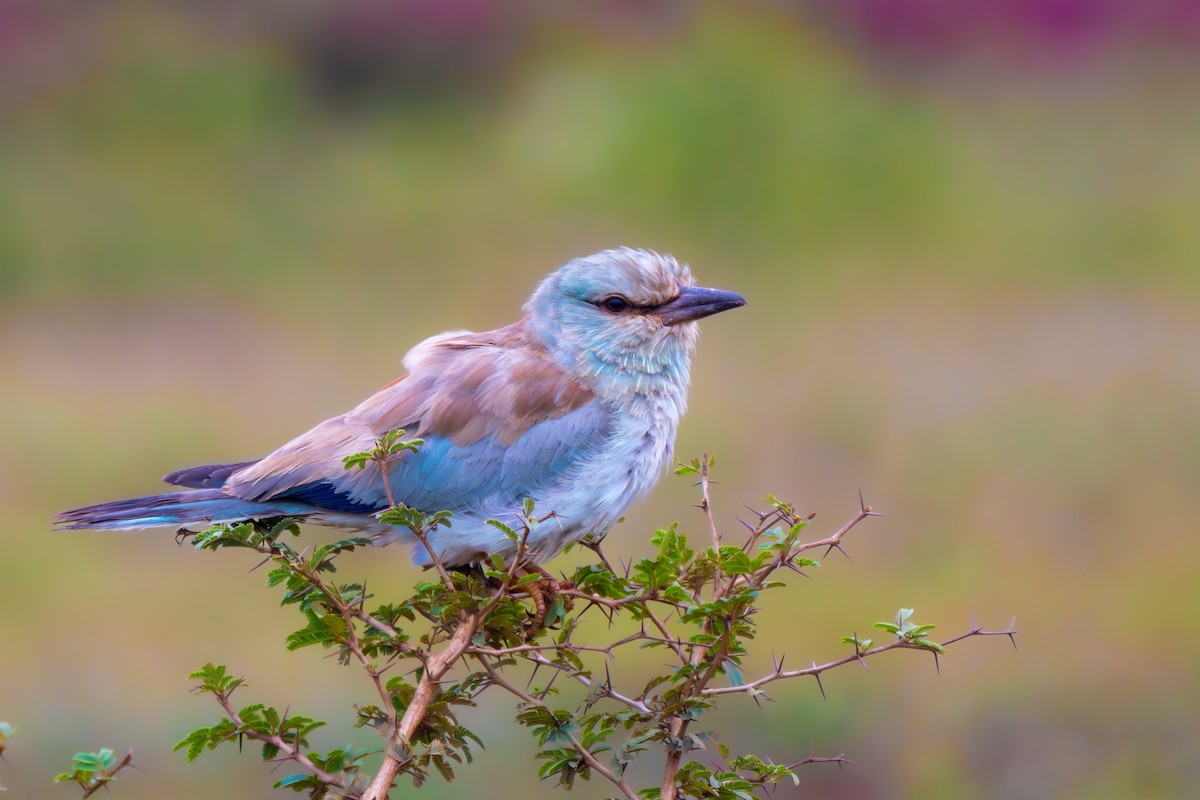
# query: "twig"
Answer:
x=816 y=669
x=418 y=531
x=352 y=644
x=835 y=540
x=706 y=507
x=291 y=751
x=610 y=602
x=595 y=548
x=107 y=775
x=636 y=705
x=584 y=753
x=423 y=538
x=671 y=641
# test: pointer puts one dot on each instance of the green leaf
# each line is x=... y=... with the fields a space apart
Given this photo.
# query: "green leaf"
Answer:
x=94 y=762
x=508 y=532
x=929 y=645
x=215 y=678
x=688 y=469
x=359 y=460
x=860 y=644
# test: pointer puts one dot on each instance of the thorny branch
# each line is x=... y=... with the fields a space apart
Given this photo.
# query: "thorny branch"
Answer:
x=663 y=596
x=102 y=779
x=859 y=655
x=584 y=753
x=289 y=750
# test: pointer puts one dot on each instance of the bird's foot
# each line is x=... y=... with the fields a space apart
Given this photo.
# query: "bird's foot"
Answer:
x=546 y=597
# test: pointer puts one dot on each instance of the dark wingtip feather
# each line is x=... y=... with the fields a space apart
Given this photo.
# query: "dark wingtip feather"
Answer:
x=208 y=476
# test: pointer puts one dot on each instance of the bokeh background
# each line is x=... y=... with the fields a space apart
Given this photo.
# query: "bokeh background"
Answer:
x=967 y=232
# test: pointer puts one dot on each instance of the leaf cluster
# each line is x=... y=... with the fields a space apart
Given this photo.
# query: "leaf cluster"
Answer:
x=910 y=632
x=280 y=734
x=500 y=625
x=91 y=771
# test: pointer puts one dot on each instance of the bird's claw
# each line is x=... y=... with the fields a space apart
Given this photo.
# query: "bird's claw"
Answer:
x=544 y=593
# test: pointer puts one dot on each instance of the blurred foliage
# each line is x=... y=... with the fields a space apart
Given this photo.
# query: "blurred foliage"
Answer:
x=972 y=283
x=181 y=164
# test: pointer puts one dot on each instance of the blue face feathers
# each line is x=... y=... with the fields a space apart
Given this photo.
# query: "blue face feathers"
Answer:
x=575 y=405
x=616 y=319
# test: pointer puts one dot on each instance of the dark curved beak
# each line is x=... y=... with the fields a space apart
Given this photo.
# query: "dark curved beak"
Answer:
x=695 y=302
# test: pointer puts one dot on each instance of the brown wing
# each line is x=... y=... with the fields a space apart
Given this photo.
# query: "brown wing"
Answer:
x=461 y=387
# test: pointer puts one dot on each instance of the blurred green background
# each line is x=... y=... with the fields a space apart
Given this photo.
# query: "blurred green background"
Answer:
x=968 y=238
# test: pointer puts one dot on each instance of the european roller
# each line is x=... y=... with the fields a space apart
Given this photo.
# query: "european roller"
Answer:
x=576 y=405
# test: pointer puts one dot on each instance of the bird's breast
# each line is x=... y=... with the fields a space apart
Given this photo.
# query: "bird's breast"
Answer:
x=638 y=450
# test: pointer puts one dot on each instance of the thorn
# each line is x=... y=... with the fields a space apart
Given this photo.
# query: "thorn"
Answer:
x=936 y=663
x=546 y=692
x=760 y=514
x=858 y=653
x=865 y=509
x=749 y=527
x=840 y=549
x=796 y=569
x=820 y=685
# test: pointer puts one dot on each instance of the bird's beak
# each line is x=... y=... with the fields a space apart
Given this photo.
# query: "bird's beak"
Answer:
x=695 y=302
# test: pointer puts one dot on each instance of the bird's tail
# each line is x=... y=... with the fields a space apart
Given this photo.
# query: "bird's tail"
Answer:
x=176 y=509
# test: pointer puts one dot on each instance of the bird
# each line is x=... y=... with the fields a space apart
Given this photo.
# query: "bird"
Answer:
x=576 y=406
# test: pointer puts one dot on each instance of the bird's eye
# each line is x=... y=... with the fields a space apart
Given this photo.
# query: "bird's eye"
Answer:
x=614 y=304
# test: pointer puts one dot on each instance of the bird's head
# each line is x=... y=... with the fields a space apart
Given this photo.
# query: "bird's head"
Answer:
x=624 y=317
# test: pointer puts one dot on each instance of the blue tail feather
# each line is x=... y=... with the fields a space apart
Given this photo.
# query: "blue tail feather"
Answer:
x=176 y=509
